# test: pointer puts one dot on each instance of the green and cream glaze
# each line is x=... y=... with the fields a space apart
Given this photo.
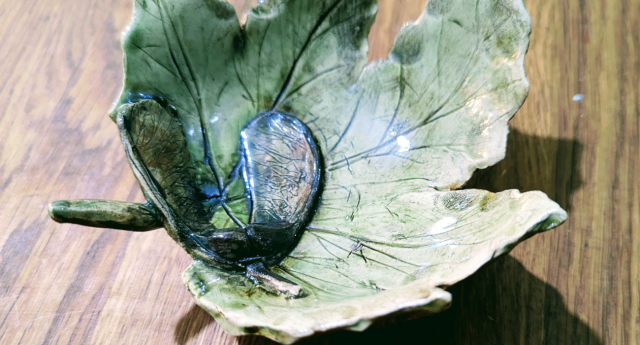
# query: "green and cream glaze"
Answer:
x=396 y=137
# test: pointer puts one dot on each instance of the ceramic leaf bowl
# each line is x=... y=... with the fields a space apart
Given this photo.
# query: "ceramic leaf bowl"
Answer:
x=314 y=192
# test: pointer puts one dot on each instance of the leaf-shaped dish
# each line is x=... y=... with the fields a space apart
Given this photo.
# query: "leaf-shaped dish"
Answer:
x=355 y=164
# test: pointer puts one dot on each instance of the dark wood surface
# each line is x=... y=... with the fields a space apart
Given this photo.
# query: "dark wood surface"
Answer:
x=60 y=68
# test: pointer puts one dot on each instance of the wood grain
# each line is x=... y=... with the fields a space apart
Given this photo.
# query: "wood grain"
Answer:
x=578 y=284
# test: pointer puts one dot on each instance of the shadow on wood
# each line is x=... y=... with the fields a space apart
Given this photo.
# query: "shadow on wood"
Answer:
x=191 y=324
x=535 y=163
x=501 y=304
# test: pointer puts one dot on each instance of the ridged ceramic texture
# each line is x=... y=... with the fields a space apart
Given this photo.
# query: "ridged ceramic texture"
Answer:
x=396 y=137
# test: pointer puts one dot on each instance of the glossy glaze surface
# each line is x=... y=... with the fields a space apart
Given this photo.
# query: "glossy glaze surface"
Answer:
x=395 y=139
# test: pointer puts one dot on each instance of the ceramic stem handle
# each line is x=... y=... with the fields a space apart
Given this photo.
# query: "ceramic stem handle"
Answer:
x=106 y=214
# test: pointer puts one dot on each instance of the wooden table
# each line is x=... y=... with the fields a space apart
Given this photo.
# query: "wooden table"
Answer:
x=60 y=68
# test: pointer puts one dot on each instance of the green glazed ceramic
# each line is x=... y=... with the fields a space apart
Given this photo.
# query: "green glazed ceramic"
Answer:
x=314 y=192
